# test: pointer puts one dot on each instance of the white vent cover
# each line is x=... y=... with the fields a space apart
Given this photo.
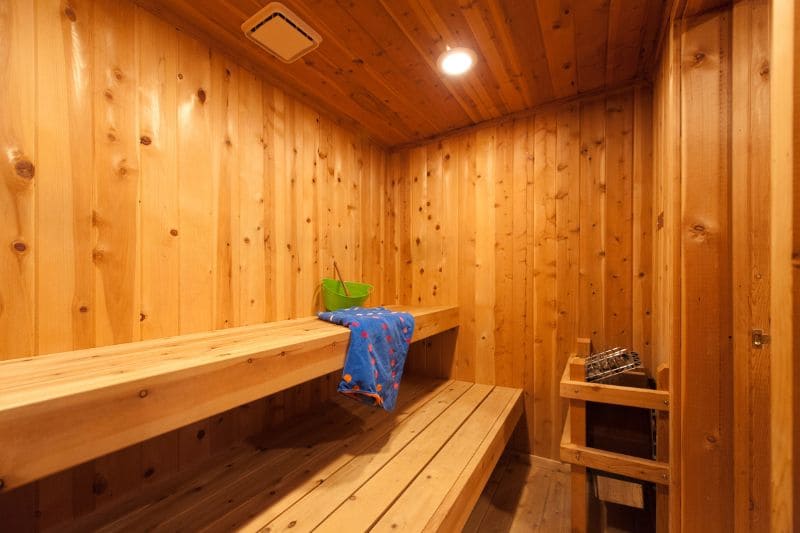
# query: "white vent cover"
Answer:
x=276 y=29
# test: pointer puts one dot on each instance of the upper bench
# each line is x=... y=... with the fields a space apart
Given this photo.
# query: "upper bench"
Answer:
x=60 y=410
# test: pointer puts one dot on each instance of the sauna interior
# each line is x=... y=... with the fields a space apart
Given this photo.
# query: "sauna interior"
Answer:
x=589 y=208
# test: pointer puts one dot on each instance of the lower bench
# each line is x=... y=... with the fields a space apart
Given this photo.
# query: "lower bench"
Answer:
x=349 y=467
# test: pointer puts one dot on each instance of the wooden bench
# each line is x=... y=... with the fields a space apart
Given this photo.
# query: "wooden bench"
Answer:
x=59 y=410
x=347 y=468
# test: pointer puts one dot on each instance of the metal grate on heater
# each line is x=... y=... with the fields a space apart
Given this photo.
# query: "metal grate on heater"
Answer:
x=603 y=365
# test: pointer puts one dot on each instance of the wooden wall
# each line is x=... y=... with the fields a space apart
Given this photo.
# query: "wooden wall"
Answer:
x=785 y=268
x=540 y=228
x=712 y=189
x=150 y=187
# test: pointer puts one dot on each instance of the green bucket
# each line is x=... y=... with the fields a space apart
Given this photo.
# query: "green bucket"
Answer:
x=334 y=298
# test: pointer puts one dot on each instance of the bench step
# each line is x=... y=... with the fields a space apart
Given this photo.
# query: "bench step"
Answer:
x=97 y=401
x=421 y=468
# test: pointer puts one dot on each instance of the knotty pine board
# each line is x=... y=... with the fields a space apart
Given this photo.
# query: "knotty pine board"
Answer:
x=534 y=258
x=149 y=178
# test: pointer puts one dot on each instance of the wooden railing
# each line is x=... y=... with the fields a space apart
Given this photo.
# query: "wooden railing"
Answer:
x=573 y=439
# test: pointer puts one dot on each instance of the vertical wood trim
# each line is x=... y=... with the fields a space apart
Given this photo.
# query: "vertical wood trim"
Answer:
x=785 y=267
x=592 y=248
x=750 y=233
x=642 y=243
x=568 y=212
x=544 y=279
x=484 y=288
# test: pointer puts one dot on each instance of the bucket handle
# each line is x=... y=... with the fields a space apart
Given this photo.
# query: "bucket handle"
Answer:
x=336 y=268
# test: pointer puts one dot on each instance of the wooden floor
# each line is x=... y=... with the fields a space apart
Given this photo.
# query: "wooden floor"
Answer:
x=524 y=494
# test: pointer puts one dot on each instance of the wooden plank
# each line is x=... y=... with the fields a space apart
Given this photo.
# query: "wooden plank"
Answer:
x=544 y=283
x=196 y=198
x=116 y=174
x=249 y=204
x=750 y=248
x=523 y=301
x=558 y=28
x=616 y=463
x=312 y=509
x=503 y=256
x=591 y=43
x=618 y=238
x=18 y=170
x=65 y=295
x=592 y=244
x=159 y=224
x=666 y=242
x=784 y=268
x=219 y=371
x=499 y=413
x=466 y=348
x=568 y=208
x=705 y=267
x=616 y=395
x=642 y=234
x=365 y=506
x=662 y=453
x=485 y=268
x=576 y=430
x=225 y=170
x=267 y=473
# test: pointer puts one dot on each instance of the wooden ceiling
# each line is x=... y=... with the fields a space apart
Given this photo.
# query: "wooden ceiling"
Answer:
x=376 y=66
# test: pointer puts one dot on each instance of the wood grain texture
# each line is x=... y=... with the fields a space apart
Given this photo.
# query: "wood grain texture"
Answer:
x=667 y=244
x=101 y=400
x=706 y=327
x=528 y=53
x=785 y=267
x=534 y=201
x=319 y=469
x=161 y=157
x=750 y=249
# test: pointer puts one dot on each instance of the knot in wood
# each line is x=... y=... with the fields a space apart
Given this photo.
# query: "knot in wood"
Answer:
x=201 y=95
x=24 y=169
x=145 y=140
x=69 y=12
x=19 y=246
x=143 y=393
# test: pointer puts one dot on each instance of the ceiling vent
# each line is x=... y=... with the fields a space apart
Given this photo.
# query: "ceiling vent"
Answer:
x=276 y=29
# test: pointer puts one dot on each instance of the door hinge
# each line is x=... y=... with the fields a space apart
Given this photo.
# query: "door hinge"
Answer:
x=759 y=338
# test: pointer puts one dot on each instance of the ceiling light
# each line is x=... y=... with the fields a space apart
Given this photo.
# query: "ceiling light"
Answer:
x=456 y=61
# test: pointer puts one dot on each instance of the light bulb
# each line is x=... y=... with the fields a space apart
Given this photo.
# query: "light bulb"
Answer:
x=456 y=61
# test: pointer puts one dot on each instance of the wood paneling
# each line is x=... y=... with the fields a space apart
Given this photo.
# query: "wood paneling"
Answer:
x=376 y=65
x=666 y=245
x=542 y=246
x=750 y=232
x=152 y=186
x=706 y=327
x=785 y=267
x=711 y=252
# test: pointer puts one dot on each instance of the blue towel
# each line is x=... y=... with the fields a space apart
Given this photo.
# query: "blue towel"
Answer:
x=379 y=341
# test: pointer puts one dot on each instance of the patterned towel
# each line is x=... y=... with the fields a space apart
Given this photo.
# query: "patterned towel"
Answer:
x=379 y=341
